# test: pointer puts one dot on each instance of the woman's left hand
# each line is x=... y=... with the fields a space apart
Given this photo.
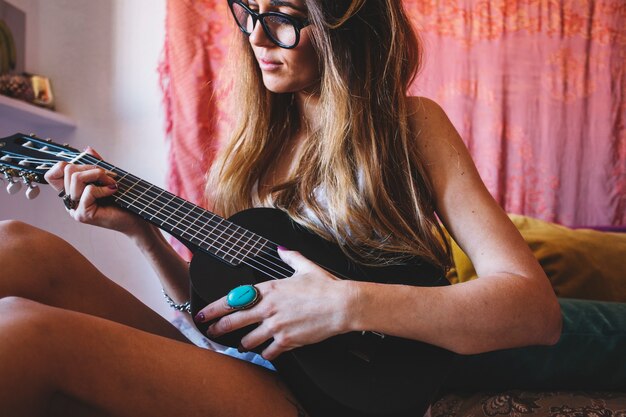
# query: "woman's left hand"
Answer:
x=310 y=306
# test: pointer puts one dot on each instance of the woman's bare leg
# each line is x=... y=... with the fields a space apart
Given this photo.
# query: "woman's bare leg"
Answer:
x=40 y=266
x=48 y=353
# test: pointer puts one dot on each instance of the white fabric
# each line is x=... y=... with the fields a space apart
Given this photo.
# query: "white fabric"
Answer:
x=188 y=329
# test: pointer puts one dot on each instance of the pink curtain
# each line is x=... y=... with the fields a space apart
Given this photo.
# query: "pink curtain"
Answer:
x=192 y=55
x=537 y=89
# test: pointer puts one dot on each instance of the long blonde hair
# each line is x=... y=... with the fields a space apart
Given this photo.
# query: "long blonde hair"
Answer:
x=379 y=203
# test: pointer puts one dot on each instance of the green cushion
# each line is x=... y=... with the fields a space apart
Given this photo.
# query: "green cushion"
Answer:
x=591 y=354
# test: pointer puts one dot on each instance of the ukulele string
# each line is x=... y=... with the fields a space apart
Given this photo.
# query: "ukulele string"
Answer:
x=260 y=262
x=261 y=254
x=146 y=192
x=182 y=224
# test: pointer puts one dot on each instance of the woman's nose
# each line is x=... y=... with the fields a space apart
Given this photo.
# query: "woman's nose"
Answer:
x=258 y=37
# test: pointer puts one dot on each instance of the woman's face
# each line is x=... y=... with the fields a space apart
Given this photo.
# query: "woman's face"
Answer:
x=284 y=70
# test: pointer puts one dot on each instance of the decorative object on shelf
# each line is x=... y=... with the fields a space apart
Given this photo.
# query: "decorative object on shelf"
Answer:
x=12 y=38
x=43 y=91
x=17 y=86
x=8 y=54
x=34 y=89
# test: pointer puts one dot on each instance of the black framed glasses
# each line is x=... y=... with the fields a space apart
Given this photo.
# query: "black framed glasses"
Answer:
x=280 y=28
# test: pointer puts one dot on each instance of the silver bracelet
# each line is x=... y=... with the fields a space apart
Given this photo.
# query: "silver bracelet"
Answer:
x=184 y=307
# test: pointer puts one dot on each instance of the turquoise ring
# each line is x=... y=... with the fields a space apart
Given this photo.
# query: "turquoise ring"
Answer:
x=242 y=297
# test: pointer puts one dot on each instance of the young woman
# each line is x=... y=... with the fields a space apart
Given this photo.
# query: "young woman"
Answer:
x=328 y=135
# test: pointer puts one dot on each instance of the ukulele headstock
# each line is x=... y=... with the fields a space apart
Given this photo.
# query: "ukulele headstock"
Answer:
x=24 y=159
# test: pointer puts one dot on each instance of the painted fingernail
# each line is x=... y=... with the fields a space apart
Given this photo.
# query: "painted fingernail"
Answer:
x=242 y=349
x=282 y=248
x=113 y=186
x=199 y=318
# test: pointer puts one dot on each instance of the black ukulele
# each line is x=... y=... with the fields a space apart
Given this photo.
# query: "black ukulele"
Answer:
x=354 y=374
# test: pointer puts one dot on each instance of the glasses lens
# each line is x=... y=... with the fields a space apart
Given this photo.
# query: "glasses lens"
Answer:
x=281 y=29
x=243 y=17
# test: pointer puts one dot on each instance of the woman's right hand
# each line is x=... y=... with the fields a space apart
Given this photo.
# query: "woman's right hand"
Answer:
x=87 y=185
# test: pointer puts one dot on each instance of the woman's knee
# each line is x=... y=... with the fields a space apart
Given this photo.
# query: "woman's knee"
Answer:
x=27 y=243
x=20 y=314
x=12 y=229
x=16 y=305
x=9 y=304
x=28 y=323
x=16 y=235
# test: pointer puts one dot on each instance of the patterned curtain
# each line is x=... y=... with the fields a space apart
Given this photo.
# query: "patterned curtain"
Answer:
x=536 y=88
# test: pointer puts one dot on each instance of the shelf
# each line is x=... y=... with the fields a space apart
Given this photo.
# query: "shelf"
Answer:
x=20 y=111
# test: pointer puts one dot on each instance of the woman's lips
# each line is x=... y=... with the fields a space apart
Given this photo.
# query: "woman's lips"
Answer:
x=267 y=65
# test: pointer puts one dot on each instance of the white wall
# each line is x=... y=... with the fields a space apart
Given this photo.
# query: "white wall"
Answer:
x=102 y=58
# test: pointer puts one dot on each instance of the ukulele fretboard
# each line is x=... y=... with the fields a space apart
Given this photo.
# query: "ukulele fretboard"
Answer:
x=187 y=221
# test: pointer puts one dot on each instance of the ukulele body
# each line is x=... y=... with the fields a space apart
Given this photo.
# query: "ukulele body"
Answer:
x=353 y=374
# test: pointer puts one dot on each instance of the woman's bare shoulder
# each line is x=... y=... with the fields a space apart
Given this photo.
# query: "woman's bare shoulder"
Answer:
x=427 y=115
x=424 y=107
x=421 y=103
x=437 y=139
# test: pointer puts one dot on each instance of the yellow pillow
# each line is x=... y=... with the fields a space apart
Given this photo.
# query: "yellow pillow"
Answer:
x=580 y=263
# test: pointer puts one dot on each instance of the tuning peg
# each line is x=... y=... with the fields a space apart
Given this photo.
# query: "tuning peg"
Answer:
x=11 y=183
x=32 y=192
x=14 y=186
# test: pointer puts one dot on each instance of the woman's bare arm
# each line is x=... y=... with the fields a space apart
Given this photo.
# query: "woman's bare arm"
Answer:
x=172 y=269
x=87 y=185
x=511 y=304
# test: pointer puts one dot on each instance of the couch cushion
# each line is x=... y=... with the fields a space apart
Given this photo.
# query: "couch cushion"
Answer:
x=580 y=263
x=591 y=354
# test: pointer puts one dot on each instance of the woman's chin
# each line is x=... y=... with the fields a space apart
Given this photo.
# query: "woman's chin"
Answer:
x=281 y=87
x=278 y=87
